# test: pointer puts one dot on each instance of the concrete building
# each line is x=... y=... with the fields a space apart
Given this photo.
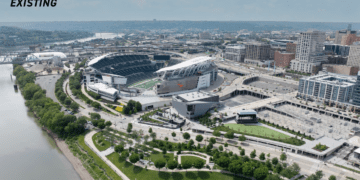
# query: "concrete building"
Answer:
x=291 y=47
x=340 y=34
x=309 y=52
x=341 y=69
x=235 y=53
x=194 y=104
x=246 y=116
x=283 y=59
x=327 y=87
x=349 y=39
x=356 y=93
x=204 y=35
x=105 y=91
x=335 y=59
x=354 y=56
x=257 y=51
x=337 y=49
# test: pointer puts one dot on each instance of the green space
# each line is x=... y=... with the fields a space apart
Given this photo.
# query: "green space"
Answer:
x=289 y=140
x=138 y=173
x=92 y=163
x=156 y=155
x=100 y=142
x=192 y=159
x=320 y=147
x=148 y=84
x=257 y=130
x=286 y=129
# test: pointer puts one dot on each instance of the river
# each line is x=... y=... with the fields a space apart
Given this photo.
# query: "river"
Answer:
x=26 y=152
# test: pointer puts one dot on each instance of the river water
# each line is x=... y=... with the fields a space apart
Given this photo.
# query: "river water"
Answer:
x=26 y=152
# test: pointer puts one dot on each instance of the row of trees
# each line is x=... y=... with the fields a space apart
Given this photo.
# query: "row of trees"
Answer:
x=132 y=107
x=61 y=95
x=45 y=108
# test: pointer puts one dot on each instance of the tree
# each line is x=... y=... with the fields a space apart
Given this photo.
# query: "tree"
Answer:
x=160 y=163
x=226 y=144
x=164 y=151
x=67 y=101
x=268 y=164
x=217 y=133
x=283 y=157
x=261 y=173
x=242 y=138
x=101 y=125
x=119 y=148
x=134 y=158
x=268 y=155
x=150 y=130
x=229 y=135
x=319 y=174
x=223 y=161
x=190 y=144
x=173 y=134
x=242 y=152
x=172 y=164
x=108 y=123
x=129 y=128
x=96 y=105
x=221 y=148
x=146 y=137
x=212 y=140
x=332 y=177
x=235 y=167
x=186 y=136
x=199 y=138
x=262 y=156
x=124 y=154
x=95 y=116
x=198 y=164
x=247 y=169
x=153 y=136
x=186 y=164
x=274 y=160
x=74 y=106
x=278 y=168
x=253 y=154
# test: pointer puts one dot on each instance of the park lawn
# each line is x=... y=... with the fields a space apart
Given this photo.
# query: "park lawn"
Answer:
x=257 y=130
x=156 y=155
x=100 y=147
x=97 y=159
x=138 y=173
x=192 y=159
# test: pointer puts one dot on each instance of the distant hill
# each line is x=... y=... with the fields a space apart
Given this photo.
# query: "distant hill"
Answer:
x=15 y=36
x=117 y=26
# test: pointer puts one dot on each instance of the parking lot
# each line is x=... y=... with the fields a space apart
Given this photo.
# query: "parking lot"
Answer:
x=239 y=100
x=311 y=123
x=48 y=83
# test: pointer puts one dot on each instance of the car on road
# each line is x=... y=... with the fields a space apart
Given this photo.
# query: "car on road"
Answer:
x=70 y=112
x=124 y=118
x=330 y=126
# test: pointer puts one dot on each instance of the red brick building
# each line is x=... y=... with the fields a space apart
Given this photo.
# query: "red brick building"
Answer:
x=341 y=69
x=291 y=47
x=282 y=59
x=349 y=39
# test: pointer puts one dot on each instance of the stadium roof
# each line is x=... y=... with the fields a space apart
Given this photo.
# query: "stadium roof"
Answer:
x=45 y=55
x=187 y=63
x=103 y=87
x=95 y=60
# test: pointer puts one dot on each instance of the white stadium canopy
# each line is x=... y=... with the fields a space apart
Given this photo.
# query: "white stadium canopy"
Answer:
x=44 y=56
x=95 y=60
x=187 y=63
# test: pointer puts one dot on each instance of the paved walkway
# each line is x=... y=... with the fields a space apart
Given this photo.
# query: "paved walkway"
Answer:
x=89 y=142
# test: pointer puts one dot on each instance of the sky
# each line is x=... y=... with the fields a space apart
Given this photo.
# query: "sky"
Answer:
x=193 y=10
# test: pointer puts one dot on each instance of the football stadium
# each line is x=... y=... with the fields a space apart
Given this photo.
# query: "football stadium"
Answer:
x=194 y=74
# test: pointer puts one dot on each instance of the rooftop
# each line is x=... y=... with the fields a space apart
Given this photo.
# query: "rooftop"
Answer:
x=334 y=79
x=103 y=87
x=194 y=96
x=95 y=60
x=246 y=112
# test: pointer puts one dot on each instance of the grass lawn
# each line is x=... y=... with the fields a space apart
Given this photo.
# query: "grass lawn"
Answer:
x=192 y=159
x=257 y=130
x=103 y=145
x=97 y=159
x=155 y=155
x=139 y=173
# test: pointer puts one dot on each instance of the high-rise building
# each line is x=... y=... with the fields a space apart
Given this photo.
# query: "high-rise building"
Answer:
x=354 y=56
x=257 y=51
x=339 y=35
x=356 y=92
x=235 y=53
x=309 y=52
